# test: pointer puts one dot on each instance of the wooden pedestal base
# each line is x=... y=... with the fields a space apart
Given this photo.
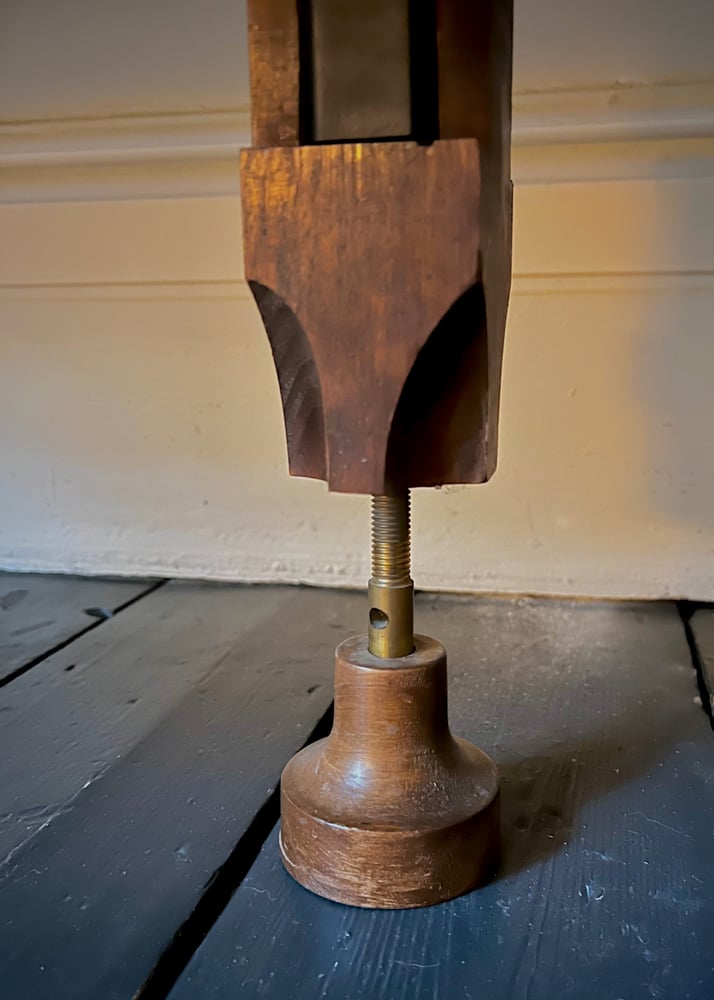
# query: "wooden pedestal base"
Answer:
x=390 y=810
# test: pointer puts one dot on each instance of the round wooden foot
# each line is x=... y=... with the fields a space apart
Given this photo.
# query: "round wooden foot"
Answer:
x=390 y=810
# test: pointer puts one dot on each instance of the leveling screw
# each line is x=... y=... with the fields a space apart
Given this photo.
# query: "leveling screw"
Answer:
x=391 y=590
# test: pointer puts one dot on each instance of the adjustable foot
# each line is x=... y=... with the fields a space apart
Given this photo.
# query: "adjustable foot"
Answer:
x=390 y=810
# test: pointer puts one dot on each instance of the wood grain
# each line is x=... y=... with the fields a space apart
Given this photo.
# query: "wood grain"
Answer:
x=606 y=888
x=140 y=769
x=390 y=810
x=382 y=271
x=274 y=55
x=363 y=296
x=475 y=58
x=38 y=612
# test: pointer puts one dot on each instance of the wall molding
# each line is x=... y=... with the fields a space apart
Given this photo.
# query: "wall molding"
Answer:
x=148 y=138
x=621 y=112
x=238 y=291
x=611 y=131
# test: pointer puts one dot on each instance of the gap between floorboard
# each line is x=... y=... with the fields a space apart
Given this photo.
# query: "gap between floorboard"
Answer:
x=99 y=620
x=686 y=610
x=220 y=888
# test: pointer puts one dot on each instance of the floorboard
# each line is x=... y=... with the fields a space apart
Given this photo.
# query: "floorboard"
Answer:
x=38 y=613
x=139 y=757
x=607 y=884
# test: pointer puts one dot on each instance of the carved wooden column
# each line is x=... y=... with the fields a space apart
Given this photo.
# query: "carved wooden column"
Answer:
x=377 y=231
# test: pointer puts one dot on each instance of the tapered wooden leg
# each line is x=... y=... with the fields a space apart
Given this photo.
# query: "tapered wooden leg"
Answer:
x=377 y=208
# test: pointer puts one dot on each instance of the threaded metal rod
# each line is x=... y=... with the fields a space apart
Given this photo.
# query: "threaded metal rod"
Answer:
x=391 y=591
x=391 y=544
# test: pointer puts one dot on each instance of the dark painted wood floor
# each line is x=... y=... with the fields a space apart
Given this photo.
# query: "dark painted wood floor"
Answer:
x=143 y=728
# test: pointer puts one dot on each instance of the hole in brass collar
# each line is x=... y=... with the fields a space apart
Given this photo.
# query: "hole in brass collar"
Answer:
x=377 y=618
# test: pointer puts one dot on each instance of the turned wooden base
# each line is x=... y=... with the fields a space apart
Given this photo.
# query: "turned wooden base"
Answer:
x=390 y=810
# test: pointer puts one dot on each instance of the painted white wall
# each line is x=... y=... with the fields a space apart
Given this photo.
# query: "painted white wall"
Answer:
x=89 y=57
x=140 y=425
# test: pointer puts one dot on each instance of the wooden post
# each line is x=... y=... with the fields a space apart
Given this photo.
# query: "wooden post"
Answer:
x=377 y=229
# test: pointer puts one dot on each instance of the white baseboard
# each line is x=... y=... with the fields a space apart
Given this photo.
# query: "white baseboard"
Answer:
x=609 y=132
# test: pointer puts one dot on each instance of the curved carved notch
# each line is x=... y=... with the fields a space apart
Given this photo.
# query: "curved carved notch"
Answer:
x=299 y=384
x=438 y=432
